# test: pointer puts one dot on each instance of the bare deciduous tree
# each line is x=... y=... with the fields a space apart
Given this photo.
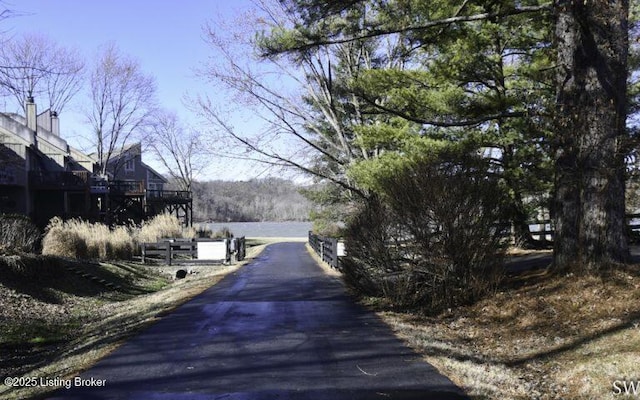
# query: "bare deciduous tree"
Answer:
x=34 y=66
x=290 y=97
x=122 y=99
x=5 y=12
x=178 y=148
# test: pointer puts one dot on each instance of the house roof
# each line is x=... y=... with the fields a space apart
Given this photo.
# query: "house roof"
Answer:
x=159 y=175
x=127 y=149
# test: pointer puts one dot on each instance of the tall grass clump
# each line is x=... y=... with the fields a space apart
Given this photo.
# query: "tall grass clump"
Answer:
x=204 y=232
x=85 y=240
x=60 y=240
x=223 y=233
x=18 y=235
x=159 y=227
x=121 y=244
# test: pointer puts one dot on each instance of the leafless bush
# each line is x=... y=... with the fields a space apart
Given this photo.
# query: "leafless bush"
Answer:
x=433 y=238
x=371 y=257
x=18 y=235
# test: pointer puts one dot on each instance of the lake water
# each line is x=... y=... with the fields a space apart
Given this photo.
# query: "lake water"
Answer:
x=262 y=229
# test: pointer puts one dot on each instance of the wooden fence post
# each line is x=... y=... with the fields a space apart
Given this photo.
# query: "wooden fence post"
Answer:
x=334 y=251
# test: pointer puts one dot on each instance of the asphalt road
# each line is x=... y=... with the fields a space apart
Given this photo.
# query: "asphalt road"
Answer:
x=278 y=328
x=519 y=264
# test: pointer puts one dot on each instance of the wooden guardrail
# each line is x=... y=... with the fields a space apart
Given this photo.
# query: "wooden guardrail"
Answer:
x=327 y=248
x=182 y=251
x=331 y=249
x=547 y=227
x=168 y=250
x=633 y=226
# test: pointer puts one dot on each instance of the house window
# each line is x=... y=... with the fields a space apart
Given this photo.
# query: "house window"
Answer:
x=129 y=165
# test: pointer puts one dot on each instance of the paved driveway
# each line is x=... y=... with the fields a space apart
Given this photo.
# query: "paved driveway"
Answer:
x=278 y=328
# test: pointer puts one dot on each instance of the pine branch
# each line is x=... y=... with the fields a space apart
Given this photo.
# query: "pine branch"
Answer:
x=374 y=33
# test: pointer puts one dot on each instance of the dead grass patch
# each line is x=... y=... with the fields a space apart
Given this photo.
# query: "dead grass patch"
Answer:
x=160 y=226
x=552 y=337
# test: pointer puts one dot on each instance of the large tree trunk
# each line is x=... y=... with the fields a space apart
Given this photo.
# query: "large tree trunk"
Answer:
x=589 y=211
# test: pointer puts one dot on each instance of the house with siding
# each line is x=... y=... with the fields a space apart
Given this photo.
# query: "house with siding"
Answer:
x=145 y=188
x=42 y=176
x=127 y=166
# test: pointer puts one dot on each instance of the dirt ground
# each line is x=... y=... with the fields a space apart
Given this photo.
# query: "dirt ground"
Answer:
x=546 y=337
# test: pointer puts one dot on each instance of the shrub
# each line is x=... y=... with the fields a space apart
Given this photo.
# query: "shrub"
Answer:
x=368 y=238
x=18 y=235
x=433 y=236
x=31 y=266
x=223 y=233
x=203 y=232
x=206 y=233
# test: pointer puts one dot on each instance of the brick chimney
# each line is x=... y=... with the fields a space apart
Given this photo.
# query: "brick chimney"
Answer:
x=32 y=116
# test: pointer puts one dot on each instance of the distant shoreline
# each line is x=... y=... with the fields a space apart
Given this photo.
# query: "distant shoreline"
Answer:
x=269 y=229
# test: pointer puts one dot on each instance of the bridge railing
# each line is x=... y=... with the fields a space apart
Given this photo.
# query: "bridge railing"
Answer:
x=329 y=249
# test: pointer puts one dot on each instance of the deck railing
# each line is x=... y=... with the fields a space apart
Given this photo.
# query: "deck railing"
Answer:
x=126 y=187
x=169 y=194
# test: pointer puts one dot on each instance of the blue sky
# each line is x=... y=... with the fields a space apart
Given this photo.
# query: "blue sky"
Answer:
x=164 y=36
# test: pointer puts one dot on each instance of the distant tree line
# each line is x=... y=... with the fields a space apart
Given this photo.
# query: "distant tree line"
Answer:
x=270 y=199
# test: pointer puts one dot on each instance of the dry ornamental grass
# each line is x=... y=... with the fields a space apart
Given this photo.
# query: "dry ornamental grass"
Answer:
x=84 y=240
